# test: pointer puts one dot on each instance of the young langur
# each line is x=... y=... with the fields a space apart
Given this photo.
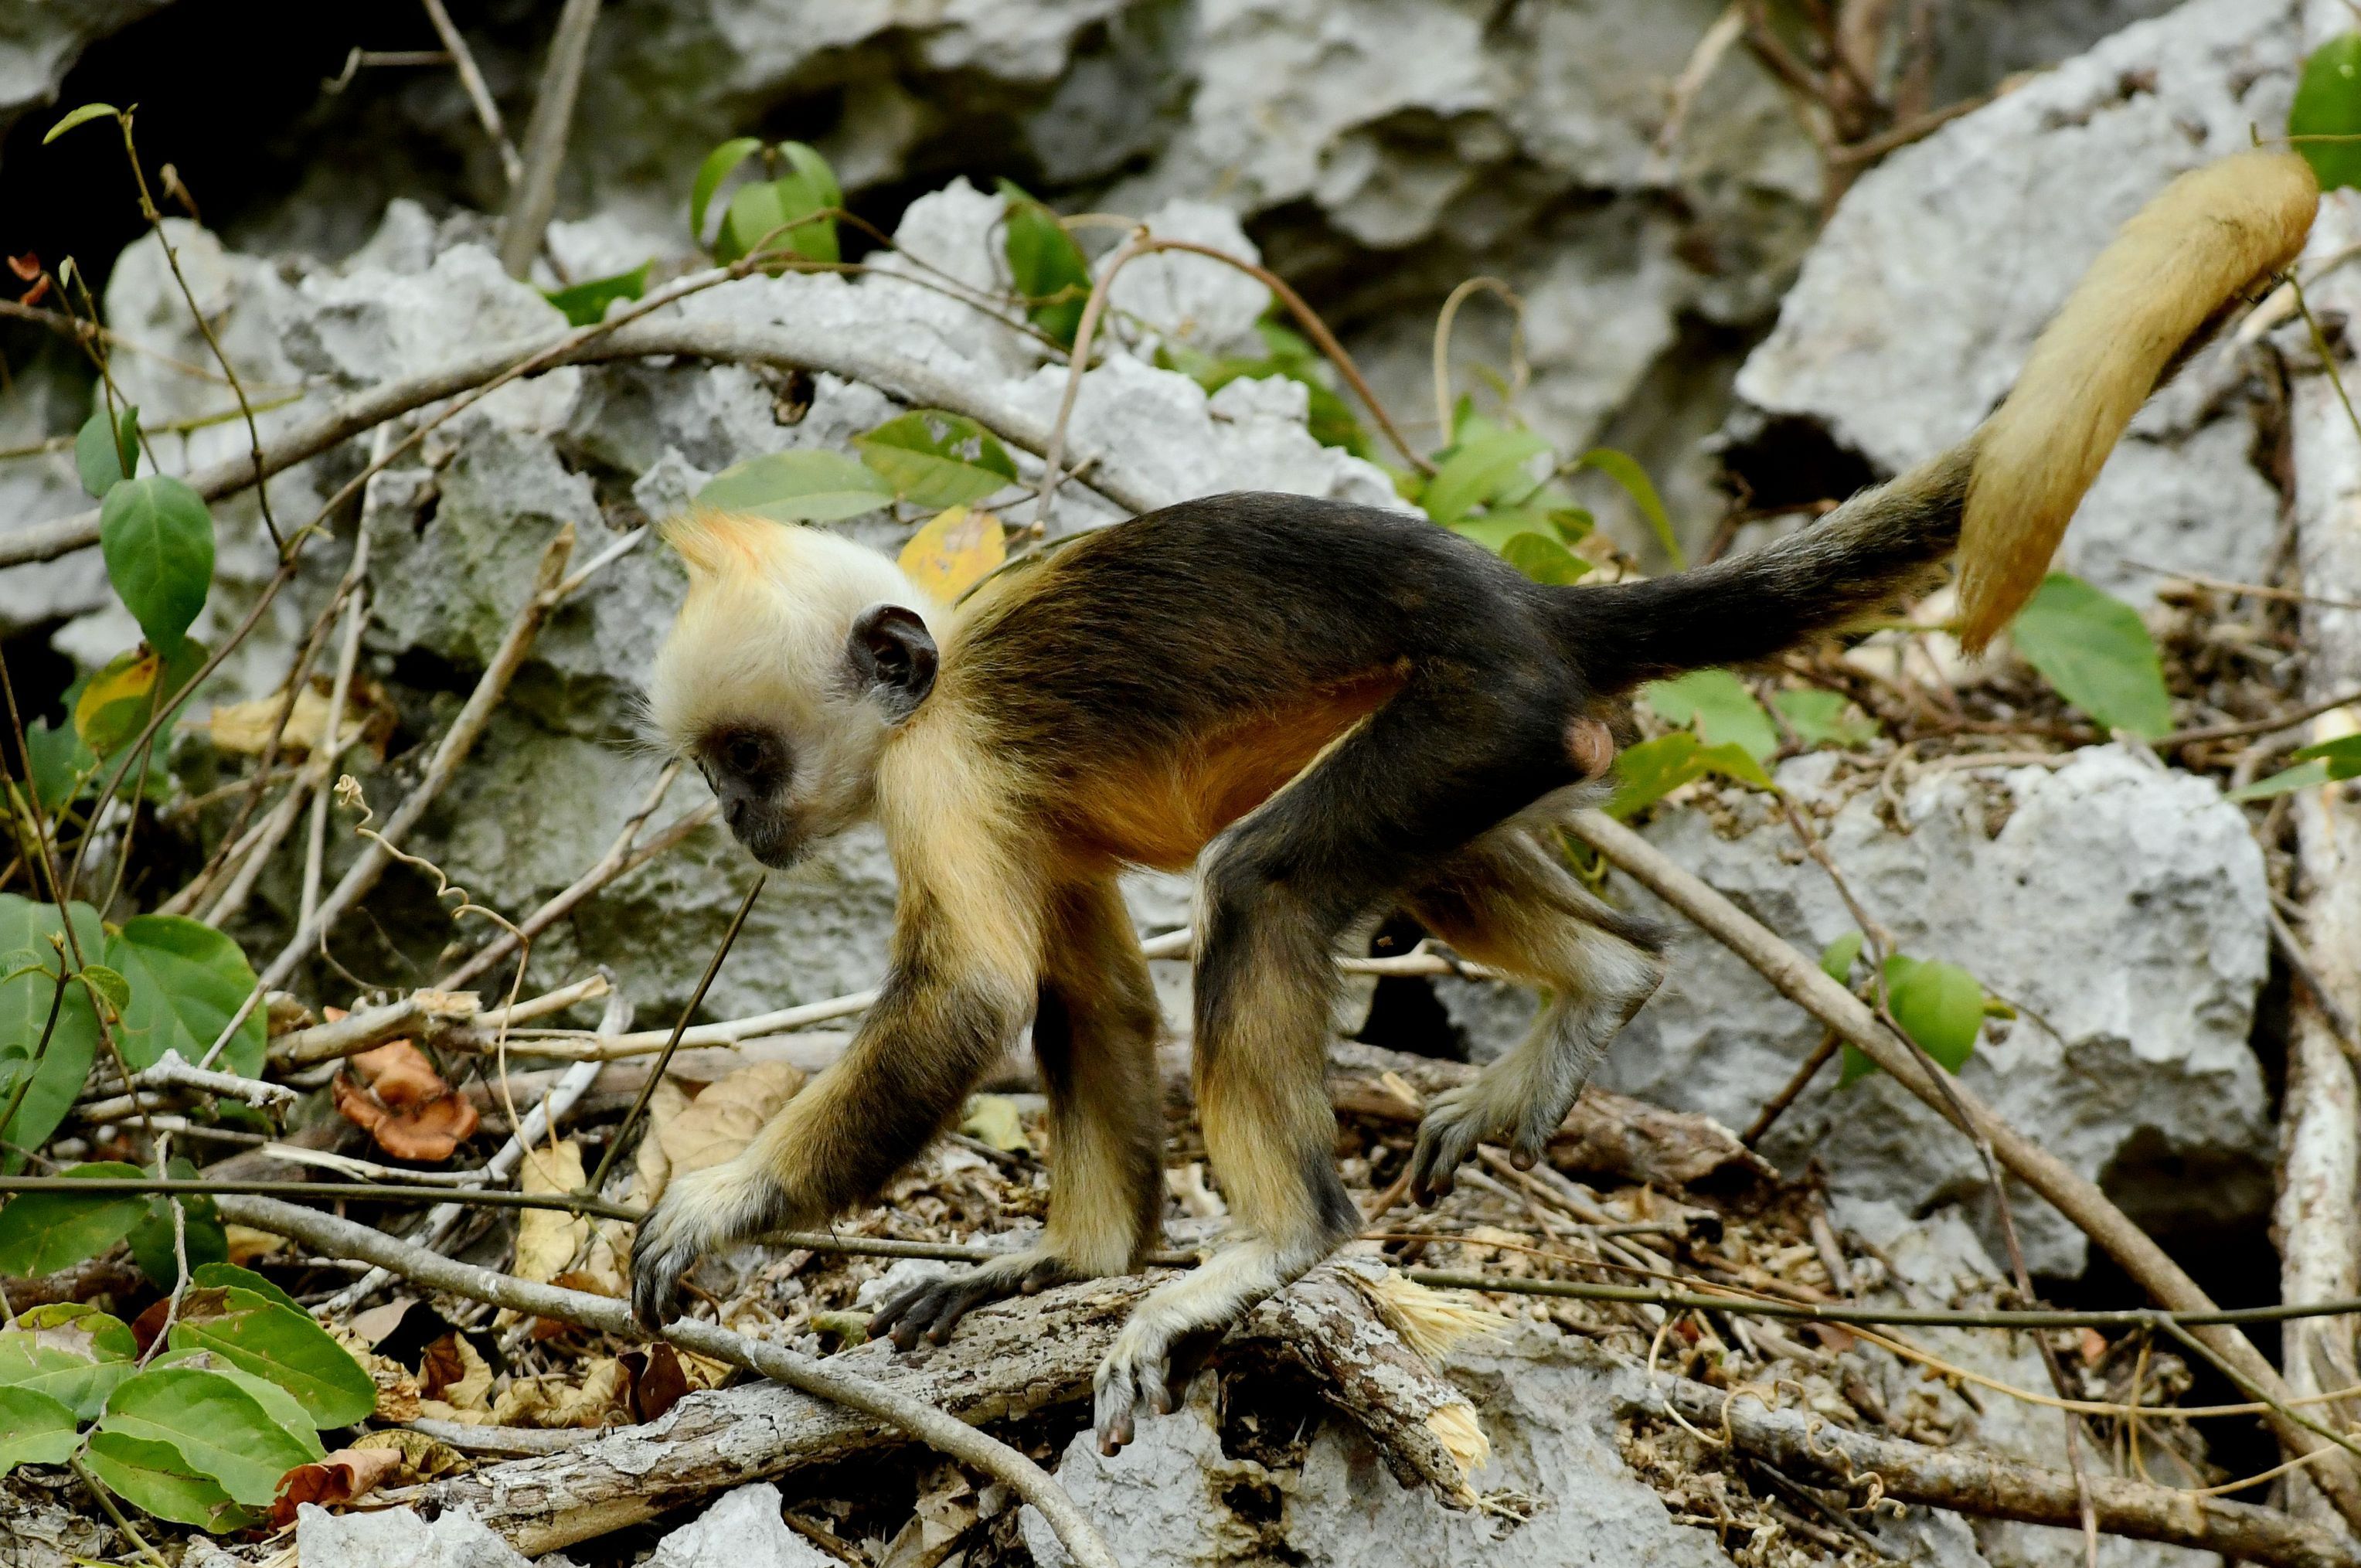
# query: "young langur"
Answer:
x=1333 y=711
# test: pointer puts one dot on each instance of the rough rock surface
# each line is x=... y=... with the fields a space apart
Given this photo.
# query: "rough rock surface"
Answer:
x=398 y=1537
x=1898 y=337
x=742 y=1530
x=1174 y=1496
x=2119 y=906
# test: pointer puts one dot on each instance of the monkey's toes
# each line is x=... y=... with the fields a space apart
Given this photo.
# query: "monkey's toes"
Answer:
x=1447 y=1136
x=933 y=1308
x=1133 y=1370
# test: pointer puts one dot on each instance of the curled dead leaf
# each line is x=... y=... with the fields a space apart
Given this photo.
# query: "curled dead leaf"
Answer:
x=422 y=1457
x=594 y=1400
x=452 y=1372
x=245 y=727
x=340 y=1477
x=394 y=1092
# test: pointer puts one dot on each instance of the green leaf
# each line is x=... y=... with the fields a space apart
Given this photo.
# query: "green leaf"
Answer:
x=25 y=1002
x=59 y=763
x=42 y=1233
x=219 y=1275
x=157 y=538
x=1046 y=265
x=153 y=1477
x=2093 y=647
x=934 y=459
x=83 y=116
x=277 y=1402
x=256 y=1334
x=716 y=167
x=1838 y=958
x=71 y=1352
x=220 y=1430
x=2330 y=761
x=187 y=981
x=1647 y=772
x=585 y=304
x=1941 y=1005
x=34 y=1430
x=1626 y=471
x=2328 y=103
x=1480 y=469
x=117 y=703
x=802 y=485
x=106 y=452
x=1823 y=717
x=761 y=213
x=817 y=177
x=151 y=1239
x=1543 y=559
x=1720 y=707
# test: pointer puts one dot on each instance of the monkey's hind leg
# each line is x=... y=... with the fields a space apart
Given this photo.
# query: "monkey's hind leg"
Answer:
x=1507 y=901
x=1094 y=1036
x=1385 y=804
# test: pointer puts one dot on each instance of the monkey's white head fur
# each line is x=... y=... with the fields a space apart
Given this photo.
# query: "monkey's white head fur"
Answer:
x=793 y=657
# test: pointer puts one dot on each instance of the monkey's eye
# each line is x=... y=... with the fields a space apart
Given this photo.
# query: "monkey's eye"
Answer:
x=744 y=755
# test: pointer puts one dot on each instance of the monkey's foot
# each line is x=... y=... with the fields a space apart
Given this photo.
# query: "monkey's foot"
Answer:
x=698 y=1212
x=1492 y=1109
x=932 y=1309
x=1171 y=1330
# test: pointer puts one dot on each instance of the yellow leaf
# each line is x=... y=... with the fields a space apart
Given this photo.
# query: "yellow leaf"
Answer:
x=120 y=683
x=951 y=553
x=244 y=726
x=991 y=1118
x=547 y=1239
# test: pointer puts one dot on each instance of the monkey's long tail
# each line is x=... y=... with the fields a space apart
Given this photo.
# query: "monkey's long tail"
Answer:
x=2004 y=495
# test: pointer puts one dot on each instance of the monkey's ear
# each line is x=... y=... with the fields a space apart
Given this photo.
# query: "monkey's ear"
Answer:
x=893 y=657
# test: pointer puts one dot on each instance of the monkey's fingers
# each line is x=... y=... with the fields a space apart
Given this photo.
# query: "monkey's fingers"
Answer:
x=1446 y=1137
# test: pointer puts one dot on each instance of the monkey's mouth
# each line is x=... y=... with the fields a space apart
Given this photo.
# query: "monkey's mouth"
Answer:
x=774 y=840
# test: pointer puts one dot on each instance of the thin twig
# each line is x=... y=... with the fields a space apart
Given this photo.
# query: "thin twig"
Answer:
x=1776 y=1106
x=932 y=1427
x=696 y=1000
x=471 y=82
x=331 y=737
x=535 y=195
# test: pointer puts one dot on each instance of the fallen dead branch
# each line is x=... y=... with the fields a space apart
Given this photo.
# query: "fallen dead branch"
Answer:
x=884 y=1405
x=1809 y=1449
x=1801 y=981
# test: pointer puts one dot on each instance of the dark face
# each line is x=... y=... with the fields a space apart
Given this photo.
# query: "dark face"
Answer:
x=749 y=768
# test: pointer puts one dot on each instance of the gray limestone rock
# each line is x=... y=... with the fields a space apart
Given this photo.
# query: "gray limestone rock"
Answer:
x=1174 y=1496
x=398 y=1537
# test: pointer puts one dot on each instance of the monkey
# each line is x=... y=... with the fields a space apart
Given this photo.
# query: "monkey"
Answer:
x=1330 y=712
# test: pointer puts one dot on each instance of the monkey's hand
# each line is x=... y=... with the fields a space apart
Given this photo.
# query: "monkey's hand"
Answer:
x=1495 y=1108
x=932 y=1309
x=699 y=1212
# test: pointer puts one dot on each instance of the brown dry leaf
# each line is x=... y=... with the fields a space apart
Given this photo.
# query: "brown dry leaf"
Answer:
x=553 y=1402
x=658 y=1382
x=406 y=1106
x=397 y=1390
x=422 y=1457
x=954 y=551
x=340 y=1477
x=725 y=1118
x=651 y=1166
x=452 y=1372
x=548 y=1239
x=373 y=1325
